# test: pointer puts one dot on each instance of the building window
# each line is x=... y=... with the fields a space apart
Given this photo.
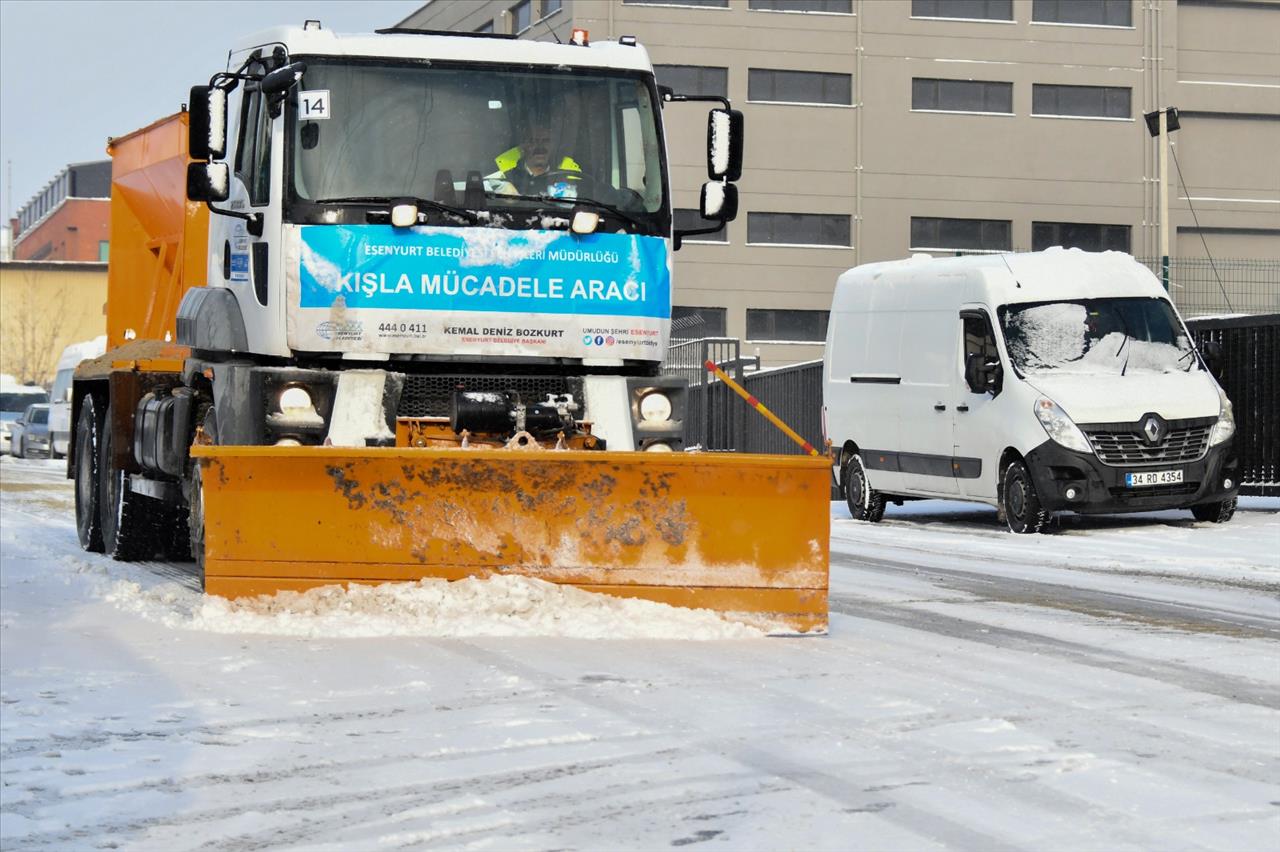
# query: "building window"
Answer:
x=694 y=79
x=484 y=28
x=973 y=10
x=799 y=87
x=798 y=229
x=1102 y=13
x=687 y=219
x=549 y=6
x=961 y=95
x=787 y=325
x=961 y=234
x=721 y=4
x=104 y=249
x=690 y=323
x=521 y=16
x=1079 y=235
x=1091 y=101
x=832 y=7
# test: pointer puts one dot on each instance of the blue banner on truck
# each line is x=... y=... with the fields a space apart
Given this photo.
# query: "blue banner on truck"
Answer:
x=474 y=290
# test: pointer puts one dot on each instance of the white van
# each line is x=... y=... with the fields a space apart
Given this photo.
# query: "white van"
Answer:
x=1057 y=380
x=60 y=396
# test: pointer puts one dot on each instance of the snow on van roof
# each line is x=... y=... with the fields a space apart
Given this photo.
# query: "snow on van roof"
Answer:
x=999 y=279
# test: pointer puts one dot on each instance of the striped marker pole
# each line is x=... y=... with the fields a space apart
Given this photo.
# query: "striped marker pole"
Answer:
x=755 y=403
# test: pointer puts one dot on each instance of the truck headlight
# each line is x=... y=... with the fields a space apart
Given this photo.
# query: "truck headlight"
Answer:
x=655 y=407
x=1059 y=426
x=1226 y=425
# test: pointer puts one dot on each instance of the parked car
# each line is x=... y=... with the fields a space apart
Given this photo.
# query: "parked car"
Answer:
x=30 y=432
x=14 y=400
x=1055 y=380
x=60 y=413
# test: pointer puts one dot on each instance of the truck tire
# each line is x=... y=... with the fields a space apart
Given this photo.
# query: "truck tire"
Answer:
x=864 y=504
x=1022 y=510
x=88 y=436
x=129 y=520
x=1218 y=512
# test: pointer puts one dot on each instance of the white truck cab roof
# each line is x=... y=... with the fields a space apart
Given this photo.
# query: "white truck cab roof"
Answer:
x=463 y=48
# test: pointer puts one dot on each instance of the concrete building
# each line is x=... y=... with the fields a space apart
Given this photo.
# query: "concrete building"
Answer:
x=44 y=306
x=68 y=220
x=876 y=128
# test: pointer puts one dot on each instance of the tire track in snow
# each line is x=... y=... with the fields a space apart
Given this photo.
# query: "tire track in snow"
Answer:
x=1173 y=674
x=1139 y=608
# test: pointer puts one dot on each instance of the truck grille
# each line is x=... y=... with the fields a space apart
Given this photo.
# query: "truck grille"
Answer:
x=1125 y=446
x=429 y=395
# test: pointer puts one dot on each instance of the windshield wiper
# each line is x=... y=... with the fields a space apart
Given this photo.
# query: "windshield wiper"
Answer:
x=1127 y=335
x=461 y=212
x=587 y=202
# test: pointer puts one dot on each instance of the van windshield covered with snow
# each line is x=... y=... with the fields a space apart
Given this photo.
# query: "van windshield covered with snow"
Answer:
x=520 y=146
x=1097 y=336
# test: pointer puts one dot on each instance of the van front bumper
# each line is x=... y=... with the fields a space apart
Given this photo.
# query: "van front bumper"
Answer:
x=1067 y=480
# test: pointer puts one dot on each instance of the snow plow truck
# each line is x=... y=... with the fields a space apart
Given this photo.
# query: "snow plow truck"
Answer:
x=394 y=306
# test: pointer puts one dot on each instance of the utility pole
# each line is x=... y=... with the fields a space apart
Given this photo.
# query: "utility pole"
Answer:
x=1160 y=124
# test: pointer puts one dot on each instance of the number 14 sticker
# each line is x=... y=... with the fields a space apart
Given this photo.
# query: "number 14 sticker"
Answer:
x=313 y=105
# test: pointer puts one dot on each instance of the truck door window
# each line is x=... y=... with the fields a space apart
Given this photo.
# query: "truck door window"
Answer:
x=253 y=150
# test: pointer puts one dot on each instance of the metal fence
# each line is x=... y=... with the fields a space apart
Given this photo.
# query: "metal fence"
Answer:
x=717 y=419
x=1251 y=379
x=1200 y=286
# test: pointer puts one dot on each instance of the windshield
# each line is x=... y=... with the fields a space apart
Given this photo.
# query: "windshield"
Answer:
x=16 y=402
x=39 y=415
x=1096 y=336
x=533 y=140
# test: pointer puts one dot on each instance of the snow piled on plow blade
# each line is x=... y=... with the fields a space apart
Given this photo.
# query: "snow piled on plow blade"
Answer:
x=497 y=606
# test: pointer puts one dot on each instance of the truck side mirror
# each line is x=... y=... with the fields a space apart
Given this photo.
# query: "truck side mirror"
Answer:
x=724 y=144
x=208 y=181
x=718 y=201
x=207 y=127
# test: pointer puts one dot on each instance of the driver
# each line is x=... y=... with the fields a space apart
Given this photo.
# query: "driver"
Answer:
x=528 y=166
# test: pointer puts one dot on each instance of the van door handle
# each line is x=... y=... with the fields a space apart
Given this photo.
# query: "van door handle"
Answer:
x=962 y=407
x=939 y=407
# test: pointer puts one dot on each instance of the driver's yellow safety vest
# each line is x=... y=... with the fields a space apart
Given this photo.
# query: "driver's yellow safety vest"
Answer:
x=510 y=158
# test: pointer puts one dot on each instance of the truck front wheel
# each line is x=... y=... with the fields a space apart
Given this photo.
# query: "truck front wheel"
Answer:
x=128 y=519
x=1218 y=512
x=88 y=435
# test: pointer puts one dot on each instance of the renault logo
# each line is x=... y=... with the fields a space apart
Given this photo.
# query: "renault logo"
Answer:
x=1153 y=427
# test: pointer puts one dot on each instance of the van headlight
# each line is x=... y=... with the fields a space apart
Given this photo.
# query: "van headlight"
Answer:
x=1226 y=425
x=1059 y=426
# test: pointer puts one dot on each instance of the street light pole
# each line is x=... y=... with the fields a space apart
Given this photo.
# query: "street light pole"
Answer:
x=1160 y=124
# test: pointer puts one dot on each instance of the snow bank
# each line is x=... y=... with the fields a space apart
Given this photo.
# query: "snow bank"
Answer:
x=499 y=606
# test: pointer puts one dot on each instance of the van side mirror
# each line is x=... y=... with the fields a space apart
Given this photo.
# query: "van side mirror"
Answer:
x=208 y=181
x=983 y=376
x=1211 y=352
x=724 y=144
x=207 y=125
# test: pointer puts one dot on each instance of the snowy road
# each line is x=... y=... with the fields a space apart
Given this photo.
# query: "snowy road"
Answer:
x=1112 y=685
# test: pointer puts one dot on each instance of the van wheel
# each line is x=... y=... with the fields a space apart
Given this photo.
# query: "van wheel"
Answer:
x=1217 y=513
x=1022 y=510
x=88 y=434
x=864 y=504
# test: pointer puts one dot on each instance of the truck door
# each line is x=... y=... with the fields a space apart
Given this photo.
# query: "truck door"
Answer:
x=927 y=357
x=978 y=432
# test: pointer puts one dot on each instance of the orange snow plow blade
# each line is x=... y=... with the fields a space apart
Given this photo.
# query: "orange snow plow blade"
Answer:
x=745 y=535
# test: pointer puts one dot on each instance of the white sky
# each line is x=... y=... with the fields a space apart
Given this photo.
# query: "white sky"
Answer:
x=74 y=73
